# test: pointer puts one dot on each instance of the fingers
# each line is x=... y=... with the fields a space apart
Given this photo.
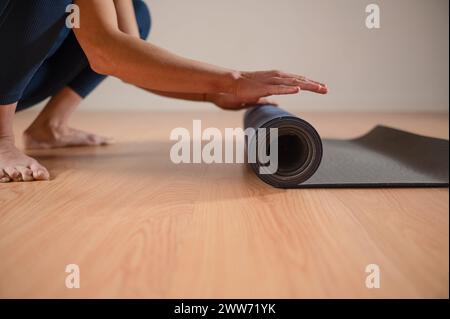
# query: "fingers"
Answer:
x=321 y=84
x=313 y=87
x=300 y=77
x=307 y=84
x=290 y=79
x=280 y=90
x=282 y=74
x=283 y=81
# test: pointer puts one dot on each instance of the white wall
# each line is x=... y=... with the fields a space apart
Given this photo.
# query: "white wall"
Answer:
x=401 y=67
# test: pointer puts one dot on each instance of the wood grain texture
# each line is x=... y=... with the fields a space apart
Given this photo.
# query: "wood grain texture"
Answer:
x=141 y=227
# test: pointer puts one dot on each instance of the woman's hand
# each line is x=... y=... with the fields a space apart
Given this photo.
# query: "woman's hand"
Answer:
x=251 y=86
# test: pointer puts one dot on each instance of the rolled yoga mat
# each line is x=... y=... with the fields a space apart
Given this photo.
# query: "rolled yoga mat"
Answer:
x=384 y=157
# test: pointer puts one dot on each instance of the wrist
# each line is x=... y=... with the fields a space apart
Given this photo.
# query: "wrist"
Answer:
x=230 y=82
x=210 y=97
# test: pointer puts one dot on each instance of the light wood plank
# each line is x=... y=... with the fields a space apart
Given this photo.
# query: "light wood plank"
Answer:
x=140 y=226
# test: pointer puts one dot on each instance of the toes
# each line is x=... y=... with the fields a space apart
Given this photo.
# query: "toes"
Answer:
x=13 y=174
x=99 y=140
x=27 y=174
x=4 y=178
x=92 y=139
x=108 y=141
x=40 y=173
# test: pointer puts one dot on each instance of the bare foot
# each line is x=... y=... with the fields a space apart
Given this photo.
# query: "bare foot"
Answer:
x=17 y=167
x=46 y=136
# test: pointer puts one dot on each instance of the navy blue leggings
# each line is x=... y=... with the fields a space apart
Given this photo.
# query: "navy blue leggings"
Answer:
x=39 y=55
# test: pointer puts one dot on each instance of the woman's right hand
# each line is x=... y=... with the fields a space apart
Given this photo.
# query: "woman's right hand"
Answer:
x=251 y=86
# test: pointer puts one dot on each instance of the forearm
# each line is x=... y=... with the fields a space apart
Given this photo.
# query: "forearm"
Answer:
x=148 y=66
x=112 y=52
x=127 y=23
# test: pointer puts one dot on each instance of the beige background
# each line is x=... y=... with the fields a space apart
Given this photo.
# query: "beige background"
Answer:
x=401 y=67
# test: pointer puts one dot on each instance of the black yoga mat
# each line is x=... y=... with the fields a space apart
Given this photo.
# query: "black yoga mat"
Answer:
x=384 y=157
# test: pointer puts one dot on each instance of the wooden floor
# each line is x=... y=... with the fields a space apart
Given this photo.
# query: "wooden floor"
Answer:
x=140 y=226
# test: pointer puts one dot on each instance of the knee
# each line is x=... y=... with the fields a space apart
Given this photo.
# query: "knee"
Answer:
x=143 y=18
